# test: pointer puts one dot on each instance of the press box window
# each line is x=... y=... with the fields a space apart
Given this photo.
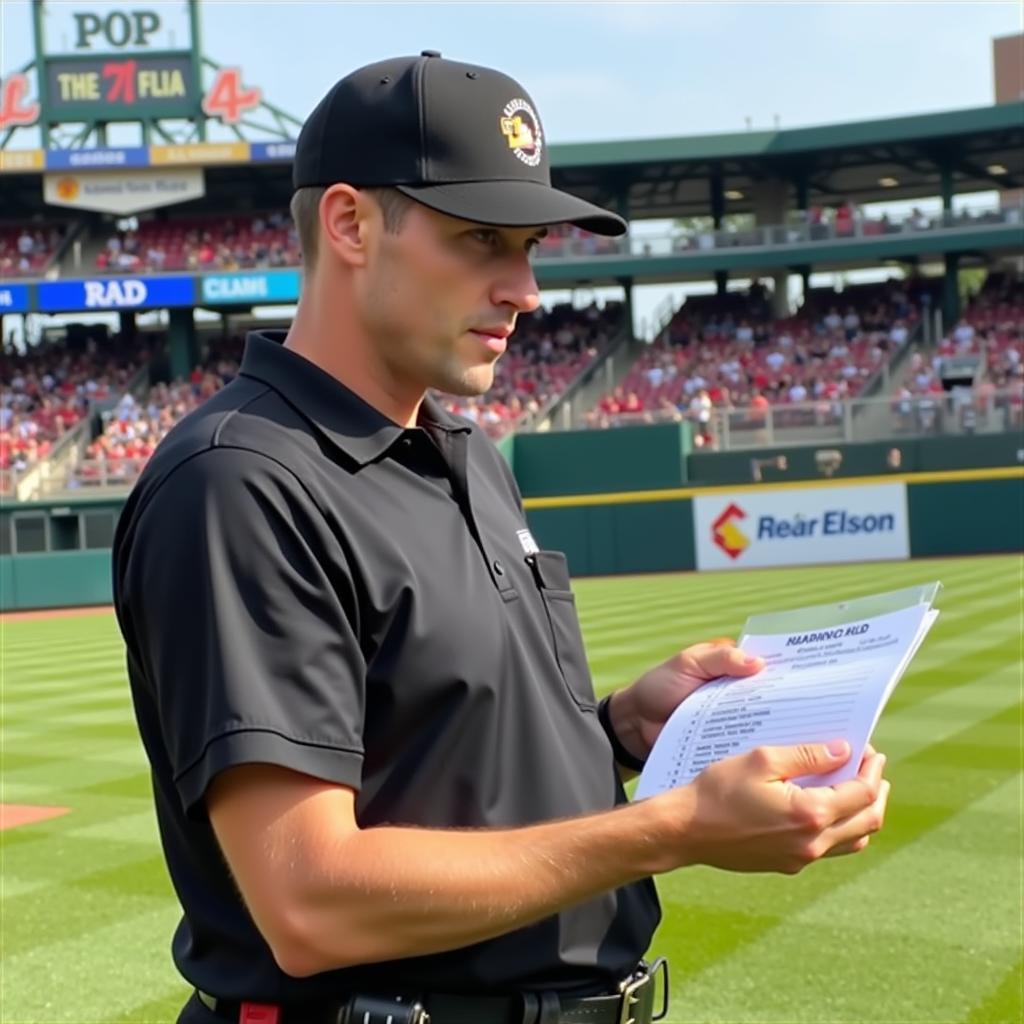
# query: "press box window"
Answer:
x=29 y=534
x=99 y=529
x=64 y=532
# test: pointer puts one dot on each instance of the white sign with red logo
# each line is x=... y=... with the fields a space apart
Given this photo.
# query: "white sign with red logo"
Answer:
x=126 y=191
x=801 y=526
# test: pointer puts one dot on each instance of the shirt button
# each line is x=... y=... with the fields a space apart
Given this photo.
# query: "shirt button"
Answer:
x=499 y=569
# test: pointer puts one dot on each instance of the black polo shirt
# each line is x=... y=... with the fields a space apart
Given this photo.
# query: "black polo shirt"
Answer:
x=300 y=581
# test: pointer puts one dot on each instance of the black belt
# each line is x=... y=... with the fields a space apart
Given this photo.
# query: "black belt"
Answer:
x=633 y=1003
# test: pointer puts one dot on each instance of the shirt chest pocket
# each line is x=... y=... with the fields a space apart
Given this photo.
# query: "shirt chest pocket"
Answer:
x=551 y=576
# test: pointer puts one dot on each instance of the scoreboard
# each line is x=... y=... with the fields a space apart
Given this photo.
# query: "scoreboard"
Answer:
x=109 y=65
x=121 y=88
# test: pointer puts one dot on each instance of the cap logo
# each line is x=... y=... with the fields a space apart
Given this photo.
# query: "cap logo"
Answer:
x=521 y=128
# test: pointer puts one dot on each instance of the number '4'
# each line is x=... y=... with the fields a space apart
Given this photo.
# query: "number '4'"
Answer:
x=227 y=99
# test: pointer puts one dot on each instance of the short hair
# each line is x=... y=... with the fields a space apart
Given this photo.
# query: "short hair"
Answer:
x=305 y=209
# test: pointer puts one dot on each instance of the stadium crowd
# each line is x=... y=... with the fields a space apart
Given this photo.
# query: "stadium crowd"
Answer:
x=546 y=353
x=724 y=352
x=134 y=427
x=27 y=249
x=992 y=330
x=259 y=240
x=47 y=391
x=717 y=353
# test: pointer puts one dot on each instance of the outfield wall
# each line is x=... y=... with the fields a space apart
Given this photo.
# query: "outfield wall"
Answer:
x=960 y=512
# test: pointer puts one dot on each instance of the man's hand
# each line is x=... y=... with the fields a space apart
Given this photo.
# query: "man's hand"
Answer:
x=743 y=813
x=639 y=712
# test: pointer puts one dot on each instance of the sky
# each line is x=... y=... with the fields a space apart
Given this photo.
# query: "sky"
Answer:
x=609 y=71
x=613 y=71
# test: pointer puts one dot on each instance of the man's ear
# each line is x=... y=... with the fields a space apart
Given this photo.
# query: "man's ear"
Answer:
x=346 y=223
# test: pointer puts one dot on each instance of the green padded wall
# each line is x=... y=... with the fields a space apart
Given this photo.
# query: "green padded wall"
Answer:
x=602 y=461
x=603 y=540
x=61 y=579
x=971 y=517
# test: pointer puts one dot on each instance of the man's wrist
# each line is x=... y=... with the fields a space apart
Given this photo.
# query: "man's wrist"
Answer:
x=621 y=728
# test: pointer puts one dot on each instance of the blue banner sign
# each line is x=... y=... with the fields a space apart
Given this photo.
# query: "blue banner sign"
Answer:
x=253 y=287
x=266 y=152
x=96 y=159
x=115 y=293
x=13 y=298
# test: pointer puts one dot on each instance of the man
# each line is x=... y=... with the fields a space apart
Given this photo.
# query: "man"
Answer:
x=383 y=785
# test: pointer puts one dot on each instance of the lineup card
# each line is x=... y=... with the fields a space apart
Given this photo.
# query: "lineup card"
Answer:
x=817 y=685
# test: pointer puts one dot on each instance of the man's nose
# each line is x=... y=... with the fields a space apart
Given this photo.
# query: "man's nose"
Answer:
x=517 y=286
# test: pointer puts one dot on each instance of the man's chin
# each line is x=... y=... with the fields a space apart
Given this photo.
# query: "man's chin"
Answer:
x=470 y=383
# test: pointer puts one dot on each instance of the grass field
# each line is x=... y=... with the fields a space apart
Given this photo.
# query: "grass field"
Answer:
x=923 y=926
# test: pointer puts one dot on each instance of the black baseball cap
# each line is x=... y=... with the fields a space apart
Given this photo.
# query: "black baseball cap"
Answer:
x=461 y=139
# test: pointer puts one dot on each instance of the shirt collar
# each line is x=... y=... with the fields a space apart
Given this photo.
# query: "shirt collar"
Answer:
x=352 y=424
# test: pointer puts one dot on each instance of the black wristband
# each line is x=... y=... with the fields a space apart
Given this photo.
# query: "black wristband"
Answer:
x=622 y=755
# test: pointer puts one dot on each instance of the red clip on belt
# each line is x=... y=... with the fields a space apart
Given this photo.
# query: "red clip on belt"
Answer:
x=258 y=1013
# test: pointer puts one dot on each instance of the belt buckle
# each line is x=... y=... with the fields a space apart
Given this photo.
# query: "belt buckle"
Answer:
x=630 y=987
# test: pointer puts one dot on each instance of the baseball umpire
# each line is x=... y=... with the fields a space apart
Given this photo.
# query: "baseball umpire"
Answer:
x=385 y=791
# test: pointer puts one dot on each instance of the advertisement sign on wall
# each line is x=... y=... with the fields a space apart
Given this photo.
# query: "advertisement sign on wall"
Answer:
x=97 y=159
x=123 y=192
x=801 y=526
x=268 y=152
x=18 y=160
x=13 y=298
x=251 y=287
x=115 y=293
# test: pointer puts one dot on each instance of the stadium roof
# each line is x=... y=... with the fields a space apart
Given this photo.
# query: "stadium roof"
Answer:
x=669 y=177
x=900 y=158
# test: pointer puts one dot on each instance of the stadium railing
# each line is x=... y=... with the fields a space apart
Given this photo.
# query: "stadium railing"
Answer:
x=828 y=420
x=610 y=362
x=34 y=480
x=798 y=232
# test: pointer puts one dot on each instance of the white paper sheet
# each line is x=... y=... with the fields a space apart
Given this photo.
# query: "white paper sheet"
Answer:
x=817 y=685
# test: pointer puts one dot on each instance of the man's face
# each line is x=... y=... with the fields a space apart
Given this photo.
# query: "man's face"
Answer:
x=440 y=297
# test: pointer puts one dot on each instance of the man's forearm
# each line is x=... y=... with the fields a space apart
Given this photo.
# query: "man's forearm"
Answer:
x=385 y=893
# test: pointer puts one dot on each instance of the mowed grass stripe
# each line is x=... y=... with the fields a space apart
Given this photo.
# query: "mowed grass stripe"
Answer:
x=609 y=660
x=928 y=789
x=21 y=639
x=156 y=1011
x=711 y=917
x=1005 y=1004
x=131 y=884
x=93 y=699
x=982 y=605
x=63 y=669
x=731 y=605
x=58 y=687
x=70 y=775
x=892 y=944
x=94 y=976
x=907 y=824
x=130 y=840
x=57 y=669
x=69 y=646
x=610 y=595
x=944 y=713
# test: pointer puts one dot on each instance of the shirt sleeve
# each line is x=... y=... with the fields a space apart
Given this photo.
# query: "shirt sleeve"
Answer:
x=242 y=622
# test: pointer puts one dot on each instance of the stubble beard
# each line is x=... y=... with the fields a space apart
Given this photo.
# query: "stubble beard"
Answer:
x=455 y=378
